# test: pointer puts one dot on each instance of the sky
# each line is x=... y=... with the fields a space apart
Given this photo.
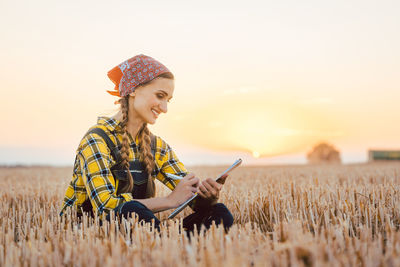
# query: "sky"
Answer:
x=260 y=80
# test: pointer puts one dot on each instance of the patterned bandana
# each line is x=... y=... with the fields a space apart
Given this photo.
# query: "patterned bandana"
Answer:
x=133 y=72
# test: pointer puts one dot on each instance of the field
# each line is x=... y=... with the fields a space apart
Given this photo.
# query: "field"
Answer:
x=336 y=215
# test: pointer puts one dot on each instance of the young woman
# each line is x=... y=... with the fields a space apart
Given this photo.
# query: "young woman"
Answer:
x=118 y=159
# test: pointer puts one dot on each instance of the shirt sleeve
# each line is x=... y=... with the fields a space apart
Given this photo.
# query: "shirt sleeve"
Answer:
x=169 y=163
x=70 y=196
x=95 y=162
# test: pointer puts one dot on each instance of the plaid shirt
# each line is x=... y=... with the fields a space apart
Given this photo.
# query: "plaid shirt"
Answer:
x=92 y=175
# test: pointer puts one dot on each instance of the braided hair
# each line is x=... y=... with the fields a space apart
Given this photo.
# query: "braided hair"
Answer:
x=147 y=158
x=125 y=143
x=145 y=154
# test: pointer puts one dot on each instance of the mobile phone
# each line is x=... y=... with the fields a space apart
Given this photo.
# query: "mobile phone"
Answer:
x=183 y=205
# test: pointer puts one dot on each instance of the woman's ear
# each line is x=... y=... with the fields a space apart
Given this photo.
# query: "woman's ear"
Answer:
x=133 y=94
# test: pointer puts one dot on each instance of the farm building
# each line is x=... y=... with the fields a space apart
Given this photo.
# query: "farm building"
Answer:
x=378 y=155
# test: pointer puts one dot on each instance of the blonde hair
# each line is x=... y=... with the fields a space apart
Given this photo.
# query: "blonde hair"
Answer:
x=145 y=154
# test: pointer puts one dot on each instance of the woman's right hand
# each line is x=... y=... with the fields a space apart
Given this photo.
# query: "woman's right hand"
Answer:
x=185 y=189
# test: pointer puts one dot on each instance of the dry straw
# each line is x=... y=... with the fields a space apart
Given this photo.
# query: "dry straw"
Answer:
x=298 y=216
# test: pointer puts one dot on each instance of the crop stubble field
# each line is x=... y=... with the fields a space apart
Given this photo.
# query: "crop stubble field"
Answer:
x=336 y=215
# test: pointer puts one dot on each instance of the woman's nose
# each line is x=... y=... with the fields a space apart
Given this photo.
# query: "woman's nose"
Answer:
x=164 y=106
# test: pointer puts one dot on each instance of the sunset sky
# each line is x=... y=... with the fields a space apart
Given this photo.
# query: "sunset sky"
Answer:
x=266 y=79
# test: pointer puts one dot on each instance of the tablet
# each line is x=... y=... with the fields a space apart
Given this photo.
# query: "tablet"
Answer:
x=183 y=205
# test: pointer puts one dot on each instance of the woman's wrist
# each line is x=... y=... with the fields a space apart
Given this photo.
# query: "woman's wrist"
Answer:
x=170 y=202
x=215 y=201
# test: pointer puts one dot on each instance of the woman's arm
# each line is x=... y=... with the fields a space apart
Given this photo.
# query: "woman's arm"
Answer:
x=168 y=162
x=157 y=204
x=182 y=192
x=95 y=162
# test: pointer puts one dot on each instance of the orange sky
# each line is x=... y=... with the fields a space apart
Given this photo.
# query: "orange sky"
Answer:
x=252 y=78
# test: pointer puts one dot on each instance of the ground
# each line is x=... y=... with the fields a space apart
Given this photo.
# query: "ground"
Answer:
x=284 y=215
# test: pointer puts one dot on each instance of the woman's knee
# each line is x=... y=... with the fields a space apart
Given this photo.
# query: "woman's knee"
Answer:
x=132 y=208
x=222 y=213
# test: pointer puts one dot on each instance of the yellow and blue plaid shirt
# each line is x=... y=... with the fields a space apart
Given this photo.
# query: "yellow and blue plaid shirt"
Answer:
x=92 y=177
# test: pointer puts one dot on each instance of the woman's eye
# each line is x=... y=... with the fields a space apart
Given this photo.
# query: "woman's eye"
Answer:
x=161 y=96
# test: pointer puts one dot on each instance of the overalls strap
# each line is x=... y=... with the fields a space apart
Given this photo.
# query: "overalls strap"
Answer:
x=113 y=148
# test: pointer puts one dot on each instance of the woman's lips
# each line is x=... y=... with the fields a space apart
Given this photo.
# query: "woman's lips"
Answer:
x=155 y=113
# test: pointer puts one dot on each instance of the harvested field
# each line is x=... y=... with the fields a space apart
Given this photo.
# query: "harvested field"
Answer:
x=336 y=215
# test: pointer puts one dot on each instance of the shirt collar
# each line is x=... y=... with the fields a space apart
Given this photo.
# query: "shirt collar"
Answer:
x=114 y=125
x=110 y=123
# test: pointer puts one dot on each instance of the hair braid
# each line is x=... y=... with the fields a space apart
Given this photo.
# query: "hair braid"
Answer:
x=144 y=145
x=125 y=144
x=147 y=158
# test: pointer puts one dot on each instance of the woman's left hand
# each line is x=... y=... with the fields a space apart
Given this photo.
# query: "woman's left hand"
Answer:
x=209 y=190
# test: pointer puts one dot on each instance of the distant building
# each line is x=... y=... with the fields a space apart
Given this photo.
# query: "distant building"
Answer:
x=378 y=155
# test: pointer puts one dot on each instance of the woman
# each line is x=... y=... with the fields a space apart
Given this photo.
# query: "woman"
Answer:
x=118 y=159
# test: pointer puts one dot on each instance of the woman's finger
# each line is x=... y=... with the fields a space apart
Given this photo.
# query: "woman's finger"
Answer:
x=193 y=189
x=194 y=181
x=204 y=190
x=211 y=189
x=190 y=176
x=201 y=194
x=214 y=184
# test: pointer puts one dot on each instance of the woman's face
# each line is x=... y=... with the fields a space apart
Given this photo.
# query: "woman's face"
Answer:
x=148 y=101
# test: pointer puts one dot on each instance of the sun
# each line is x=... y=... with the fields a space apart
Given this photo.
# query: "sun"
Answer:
x=256 y=154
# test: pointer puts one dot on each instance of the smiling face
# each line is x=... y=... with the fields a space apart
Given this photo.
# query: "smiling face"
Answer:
x=148 y=101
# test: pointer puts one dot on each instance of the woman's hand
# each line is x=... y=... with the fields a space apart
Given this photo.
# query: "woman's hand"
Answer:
x=209 y=189
x=185 y=189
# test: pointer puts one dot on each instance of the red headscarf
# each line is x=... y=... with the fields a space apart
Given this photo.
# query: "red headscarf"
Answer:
x=133 y=72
